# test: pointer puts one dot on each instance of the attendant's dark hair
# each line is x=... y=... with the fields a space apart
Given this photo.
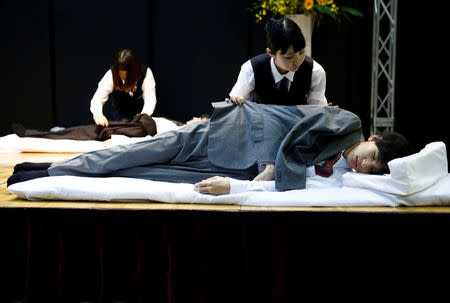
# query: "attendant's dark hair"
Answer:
x=391 y=146
x=282 y=33
x=126 y=60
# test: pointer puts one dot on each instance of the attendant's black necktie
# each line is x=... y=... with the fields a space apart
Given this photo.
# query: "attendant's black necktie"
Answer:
x=282 y=86
x=326 y=169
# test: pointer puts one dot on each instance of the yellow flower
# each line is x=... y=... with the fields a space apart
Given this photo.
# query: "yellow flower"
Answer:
x=334 y=8
x=308 y=4
x=264 y=8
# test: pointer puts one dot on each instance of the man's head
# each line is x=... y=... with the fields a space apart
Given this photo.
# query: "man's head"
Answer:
x=285 y=43
x=372 y=156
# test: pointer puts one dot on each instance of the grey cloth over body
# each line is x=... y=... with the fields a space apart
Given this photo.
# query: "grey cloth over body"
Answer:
x=241 y=136
x=322 y=133
x=231 y=143
x=175 y=156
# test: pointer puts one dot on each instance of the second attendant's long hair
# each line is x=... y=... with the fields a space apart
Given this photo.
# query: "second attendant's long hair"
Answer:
x=128 y=61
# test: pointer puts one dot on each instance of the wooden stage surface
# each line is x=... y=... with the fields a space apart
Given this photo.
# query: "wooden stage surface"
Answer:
x=8 y=200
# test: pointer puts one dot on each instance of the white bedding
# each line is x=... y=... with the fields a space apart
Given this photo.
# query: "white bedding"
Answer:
x=14 y=143
x=417 y=180
x=117 y=189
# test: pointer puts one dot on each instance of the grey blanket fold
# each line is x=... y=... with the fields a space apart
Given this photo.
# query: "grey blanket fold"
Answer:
x=323 y=132
x=291 y=137
x=241 y=136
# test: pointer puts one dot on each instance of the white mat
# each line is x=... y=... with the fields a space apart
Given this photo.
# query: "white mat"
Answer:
x=14 y=143
x=117 y=189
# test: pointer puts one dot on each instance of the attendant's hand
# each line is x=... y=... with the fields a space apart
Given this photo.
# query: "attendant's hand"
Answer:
x=238 y=100
x=268 y=174
x=101 y=120
x=213 y=186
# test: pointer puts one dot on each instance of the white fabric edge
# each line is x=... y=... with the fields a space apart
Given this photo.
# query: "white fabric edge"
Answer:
x=118 y=189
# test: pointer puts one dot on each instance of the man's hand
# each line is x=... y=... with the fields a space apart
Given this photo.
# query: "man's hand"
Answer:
x=101 y=120
x=194 y=119
x=213 y=186
x=238 y=100
x=268 y=174
x=331 y=104
x=201 y=118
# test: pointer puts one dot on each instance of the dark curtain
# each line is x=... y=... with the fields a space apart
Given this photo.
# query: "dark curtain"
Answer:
x=187 y=256
x=57 y=51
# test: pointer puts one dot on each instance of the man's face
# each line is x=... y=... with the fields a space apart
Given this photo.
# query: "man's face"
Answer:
x=364 y=158
x=289 y=61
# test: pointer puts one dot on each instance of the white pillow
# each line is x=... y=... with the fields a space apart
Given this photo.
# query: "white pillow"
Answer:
x=408 y=174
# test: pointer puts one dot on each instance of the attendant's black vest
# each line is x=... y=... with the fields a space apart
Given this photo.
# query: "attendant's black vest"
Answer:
x=124 y=106
x=265 y=88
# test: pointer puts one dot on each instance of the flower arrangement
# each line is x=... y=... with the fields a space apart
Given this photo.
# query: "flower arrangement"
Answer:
x=317 y=8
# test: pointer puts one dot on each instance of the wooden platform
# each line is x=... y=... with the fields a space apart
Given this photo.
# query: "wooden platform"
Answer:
x=8 y=200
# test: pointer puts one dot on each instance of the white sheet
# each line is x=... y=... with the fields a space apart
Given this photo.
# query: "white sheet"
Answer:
x=136 y=190
x=14 y=143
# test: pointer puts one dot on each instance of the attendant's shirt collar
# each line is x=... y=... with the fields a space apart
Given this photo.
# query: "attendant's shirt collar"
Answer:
x=276 y=74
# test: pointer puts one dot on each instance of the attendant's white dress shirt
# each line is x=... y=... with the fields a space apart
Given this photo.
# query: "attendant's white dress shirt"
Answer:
x=106 y=87
x=245 y=83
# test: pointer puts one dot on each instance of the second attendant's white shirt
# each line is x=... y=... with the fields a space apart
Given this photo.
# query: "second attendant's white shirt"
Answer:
x=106 y=86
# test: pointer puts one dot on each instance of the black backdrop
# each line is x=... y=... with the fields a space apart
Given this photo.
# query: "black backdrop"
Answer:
x=173 y=256
x=55 y=52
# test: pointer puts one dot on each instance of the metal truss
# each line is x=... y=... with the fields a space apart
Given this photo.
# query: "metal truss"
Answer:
x=383 y=65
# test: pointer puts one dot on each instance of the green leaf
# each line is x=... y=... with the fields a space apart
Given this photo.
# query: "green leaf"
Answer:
x=350 y=10
x=324 y=9
x=347 y=17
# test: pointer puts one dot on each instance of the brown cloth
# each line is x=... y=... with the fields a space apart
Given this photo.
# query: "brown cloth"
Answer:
x=140 y=126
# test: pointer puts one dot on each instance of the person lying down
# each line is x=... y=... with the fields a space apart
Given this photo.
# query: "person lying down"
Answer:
x=368 y=157
x=256 y=142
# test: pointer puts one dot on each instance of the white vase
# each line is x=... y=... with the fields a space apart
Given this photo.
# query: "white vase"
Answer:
x=306 y=24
